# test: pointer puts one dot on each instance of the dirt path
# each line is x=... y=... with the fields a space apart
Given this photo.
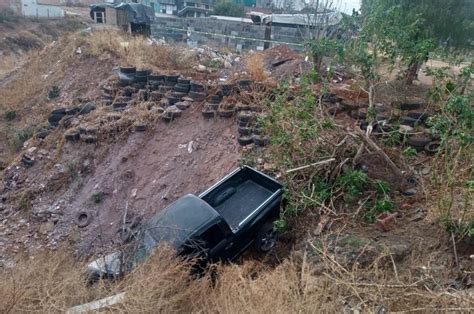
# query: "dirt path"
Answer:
x=151 y=170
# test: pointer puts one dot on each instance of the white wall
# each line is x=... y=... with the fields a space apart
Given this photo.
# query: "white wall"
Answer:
x=33 y=9
x=345 y=6
x=169 y=8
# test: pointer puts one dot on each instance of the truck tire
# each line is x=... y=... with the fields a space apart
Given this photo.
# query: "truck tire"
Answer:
x=266 y=238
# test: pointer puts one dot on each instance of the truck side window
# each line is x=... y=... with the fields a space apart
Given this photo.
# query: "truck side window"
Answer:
x=212 y=236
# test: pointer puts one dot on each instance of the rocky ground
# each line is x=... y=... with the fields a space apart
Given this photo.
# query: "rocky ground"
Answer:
x=114 y=145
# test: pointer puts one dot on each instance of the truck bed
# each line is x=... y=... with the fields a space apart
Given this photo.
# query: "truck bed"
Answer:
x=246 y=198
x=240 y=194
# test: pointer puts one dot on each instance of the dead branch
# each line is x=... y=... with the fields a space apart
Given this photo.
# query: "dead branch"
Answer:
x=379 y=151
x=319 y=163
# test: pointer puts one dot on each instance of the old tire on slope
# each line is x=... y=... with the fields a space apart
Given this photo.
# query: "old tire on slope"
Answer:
x=242 y=130
x=418 y=141
x=245 y=140
x=410 y=106
x=208 y=114
x=266 y=238
x=432 y=147
x=225 y=113
x=83 y=219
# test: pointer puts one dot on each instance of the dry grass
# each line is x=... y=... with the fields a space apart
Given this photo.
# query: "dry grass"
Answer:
x=53 y=282
x=254 y=66
x=139 y=51
x=48 y=282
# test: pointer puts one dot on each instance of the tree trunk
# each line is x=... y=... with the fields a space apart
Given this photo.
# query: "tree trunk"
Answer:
x=412 y=72
x=318 y=62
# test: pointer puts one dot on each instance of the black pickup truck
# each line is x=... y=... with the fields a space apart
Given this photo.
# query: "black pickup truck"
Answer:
x=219 y=224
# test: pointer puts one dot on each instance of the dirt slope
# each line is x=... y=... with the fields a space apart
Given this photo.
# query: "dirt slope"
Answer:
x=150 y=170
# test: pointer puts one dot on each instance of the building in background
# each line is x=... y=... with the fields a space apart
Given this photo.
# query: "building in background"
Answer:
x=134 y=18
x=31 y=8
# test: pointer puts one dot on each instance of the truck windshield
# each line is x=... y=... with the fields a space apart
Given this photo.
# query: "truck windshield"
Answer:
x=146 y=245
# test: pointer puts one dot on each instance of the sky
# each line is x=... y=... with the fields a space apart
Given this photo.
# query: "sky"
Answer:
x=348 y=5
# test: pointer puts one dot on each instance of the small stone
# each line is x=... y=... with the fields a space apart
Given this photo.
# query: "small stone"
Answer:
x=46 y=227
x=260 y=161
x=201 y=68
x=425 y=171
x=267 y=166
x=31 y=150
x=134 y=192
x=406 y=129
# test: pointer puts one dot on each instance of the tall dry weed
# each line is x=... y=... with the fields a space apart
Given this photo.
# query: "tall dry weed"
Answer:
x=53 y=282
x=50 y=282
x=255 y=67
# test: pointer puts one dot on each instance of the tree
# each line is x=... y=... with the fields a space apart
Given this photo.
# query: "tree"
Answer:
x=229 y=8
x=410 y=30
x=319 y=16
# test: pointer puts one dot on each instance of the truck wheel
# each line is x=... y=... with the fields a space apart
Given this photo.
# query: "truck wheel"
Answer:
x=266 y=238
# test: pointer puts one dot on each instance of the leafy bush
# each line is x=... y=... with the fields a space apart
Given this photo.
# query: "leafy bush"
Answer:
x=353 y=183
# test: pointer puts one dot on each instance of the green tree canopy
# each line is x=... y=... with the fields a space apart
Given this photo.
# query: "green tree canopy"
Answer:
x=449 y=22
x=229 y=8
x=410 y=30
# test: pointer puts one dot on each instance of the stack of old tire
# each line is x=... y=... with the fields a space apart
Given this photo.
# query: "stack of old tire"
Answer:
x=168 y=104
x=181 y=88
x=68 y=117
x=211 y=107
x=249 y=131
x=414 y=118
x=225 y=110
x=155 y=81
x=141 y=78
x=227 y=89
x=126 y=76
x=411 y=123
x=196 y=91
x=244 y=84
x=107 y=95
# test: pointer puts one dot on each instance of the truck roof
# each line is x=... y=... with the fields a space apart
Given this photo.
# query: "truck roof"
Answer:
x=180 y=219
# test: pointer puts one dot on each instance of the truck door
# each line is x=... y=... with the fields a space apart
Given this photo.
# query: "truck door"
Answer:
x=219 y=240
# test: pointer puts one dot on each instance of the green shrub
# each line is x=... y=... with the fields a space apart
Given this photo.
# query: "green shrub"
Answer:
x=97 y=197
x=409 y=152
x=10 y=115
x=54 y=92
